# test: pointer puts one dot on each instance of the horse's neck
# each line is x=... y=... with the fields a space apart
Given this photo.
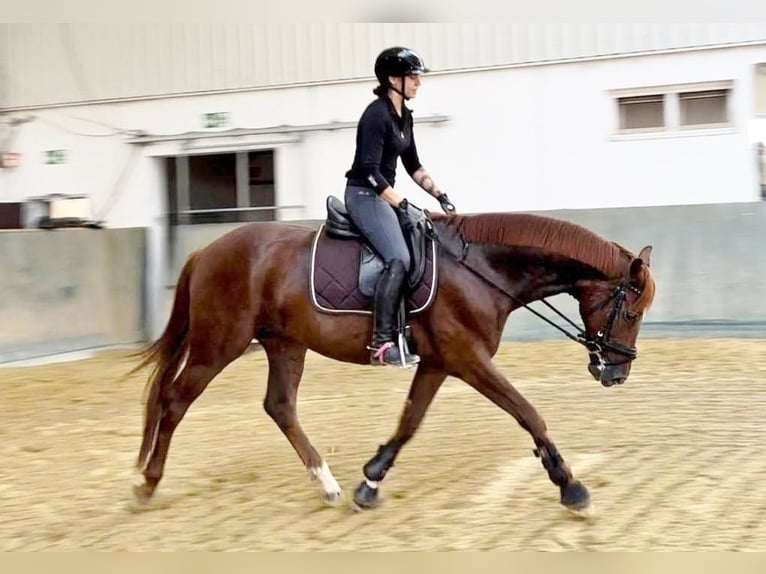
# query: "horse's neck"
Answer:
x=532 y=266
x=531 y=273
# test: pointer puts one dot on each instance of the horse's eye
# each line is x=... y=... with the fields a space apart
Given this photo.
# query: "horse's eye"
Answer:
x=631 y=316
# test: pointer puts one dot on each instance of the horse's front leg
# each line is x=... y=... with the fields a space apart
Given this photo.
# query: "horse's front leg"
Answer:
x=422 y=391
x=485 y=378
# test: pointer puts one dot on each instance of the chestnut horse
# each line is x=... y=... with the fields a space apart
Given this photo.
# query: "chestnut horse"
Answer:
x=253 y=282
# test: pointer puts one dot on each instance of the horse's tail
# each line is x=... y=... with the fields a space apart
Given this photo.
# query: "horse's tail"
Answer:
x=167 y=353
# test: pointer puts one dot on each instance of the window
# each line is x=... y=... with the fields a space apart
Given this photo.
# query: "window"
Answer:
x=261 y=184
x=221 y=188
x=706 y=108
x=672 y=109
x=212 y=188
x=642 y=112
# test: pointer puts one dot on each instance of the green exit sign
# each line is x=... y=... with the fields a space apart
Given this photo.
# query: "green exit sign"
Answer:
x=215 y=120
x=55 y=156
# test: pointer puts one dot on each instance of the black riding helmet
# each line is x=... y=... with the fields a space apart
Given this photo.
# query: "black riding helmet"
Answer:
x=398 y=62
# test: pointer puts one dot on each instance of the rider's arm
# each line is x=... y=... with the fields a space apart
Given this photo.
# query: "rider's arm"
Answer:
x=424 y=180
x=417 y=172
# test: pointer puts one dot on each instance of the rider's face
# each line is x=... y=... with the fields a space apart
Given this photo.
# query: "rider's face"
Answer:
x=411 y=85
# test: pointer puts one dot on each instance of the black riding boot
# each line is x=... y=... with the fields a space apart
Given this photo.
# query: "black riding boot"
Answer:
x=385 y=350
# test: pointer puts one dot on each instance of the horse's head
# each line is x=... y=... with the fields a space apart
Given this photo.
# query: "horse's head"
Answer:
x=612 y=312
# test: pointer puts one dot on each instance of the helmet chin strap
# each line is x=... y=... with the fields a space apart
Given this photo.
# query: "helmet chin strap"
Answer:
x=398 y=91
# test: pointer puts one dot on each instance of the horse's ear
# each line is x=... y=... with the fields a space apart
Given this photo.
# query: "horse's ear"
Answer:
x=645 y=254
x=642 y=259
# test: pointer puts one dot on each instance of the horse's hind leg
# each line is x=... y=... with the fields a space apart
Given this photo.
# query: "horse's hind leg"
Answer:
x=176 y=400
x=203 y=364
x=286 y=361
x=422 y=391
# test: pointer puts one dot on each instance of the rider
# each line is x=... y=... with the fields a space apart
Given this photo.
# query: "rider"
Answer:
x=385 y=132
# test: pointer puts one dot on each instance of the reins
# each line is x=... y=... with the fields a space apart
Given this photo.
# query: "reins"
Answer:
x=595 y=345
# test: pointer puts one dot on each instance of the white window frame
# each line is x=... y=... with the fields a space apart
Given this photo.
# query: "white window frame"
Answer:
x=672 y=111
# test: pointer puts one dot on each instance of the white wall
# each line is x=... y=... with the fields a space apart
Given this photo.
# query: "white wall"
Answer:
x=529 y=138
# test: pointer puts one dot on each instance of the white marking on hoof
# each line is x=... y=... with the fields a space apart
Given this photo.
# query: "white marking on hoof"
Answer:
x=331 y=491
x=332 y=498
x=139 y=487
x=141 y=499
x=373 y=484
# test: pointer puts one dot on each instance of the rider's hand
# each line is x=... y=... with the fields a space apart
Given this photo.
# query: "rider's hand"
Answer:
x=447 y=205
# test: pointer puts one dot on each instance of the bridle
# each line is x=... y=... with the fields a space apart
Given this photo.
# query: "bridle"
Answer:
x=599 y=343
x=596 y=344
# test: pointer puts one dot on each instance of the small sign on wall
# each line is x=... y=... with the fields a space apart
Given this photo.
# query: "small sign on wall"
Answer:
x=216 y=120
x=10 y=159
x=55 y=156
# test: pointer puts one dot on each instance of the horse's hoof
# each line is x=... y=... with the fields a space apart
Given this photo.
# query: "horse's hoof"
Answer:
x=332 y=498
x=142 y=493
x=365 y=496
x=576 y=498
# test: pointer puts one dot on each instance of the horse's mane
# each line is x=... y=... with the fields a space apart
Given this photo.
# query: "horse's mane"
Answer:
x=554 y=235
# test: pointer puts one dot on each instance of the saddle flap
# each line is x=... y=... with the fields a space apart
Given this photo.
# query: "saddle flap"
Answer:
x=370 y=268
x=420 y=229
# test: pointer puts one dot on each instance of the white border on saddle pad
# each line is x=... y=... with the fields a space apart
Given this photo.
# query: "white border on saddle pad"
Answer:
x=312 y=290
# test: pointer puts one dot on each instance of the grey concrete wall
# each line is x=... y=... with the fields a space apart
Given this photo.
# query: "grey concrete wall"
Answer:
x=189 y=238
x=70 y=289
x=709 y=262
x=67 y=290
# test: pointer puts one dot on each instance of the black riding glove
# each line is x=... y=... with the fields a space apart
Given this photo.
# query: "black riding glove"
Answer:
x=447 y=205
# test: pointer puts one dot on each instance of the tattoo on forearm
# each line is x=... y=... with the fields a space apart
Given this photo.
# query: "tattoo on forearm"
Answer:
x=428 y=184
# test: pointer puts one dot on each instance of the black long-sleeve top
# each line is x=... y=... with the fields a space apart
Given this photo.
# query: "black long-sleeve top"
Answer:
x=381 y=137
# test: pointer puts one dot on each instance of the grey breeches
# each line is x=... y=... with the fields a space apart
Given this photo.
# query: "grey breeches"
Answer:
x=376 y=219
